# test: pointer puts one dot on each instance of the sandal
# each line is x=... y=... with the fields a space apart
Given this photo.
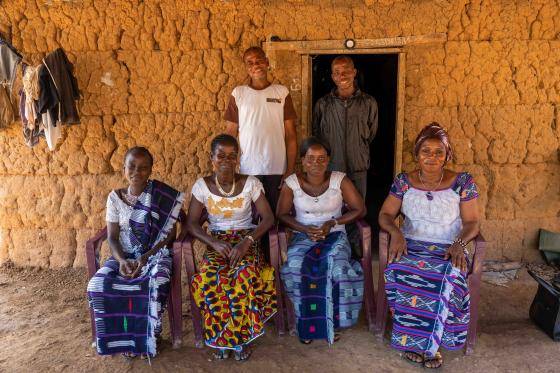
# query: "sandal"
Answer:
x=434 y=362
x=413 y=357
x=305 y=341
x=221 y=354
x=242 y=355
x=128 y=355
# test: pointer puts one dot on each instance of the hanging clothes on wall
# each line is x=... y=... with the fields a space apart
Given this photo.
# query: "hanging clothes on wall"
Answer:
x=6 y=110
x=61 y=71
x=9 y=60
x=58 y=92
x=31 y=133
x=49 y=108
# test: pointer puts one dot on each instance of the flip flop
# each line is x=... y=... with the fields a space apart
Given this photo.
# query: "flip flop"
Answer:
x=128 y=355
x=243 y=355
x=221 y=354
x=408 y=358
x=437 y=358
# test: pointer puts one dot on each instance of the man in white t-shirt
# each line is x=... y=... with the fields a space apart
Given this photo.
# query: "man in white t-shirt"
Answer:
x=262 y=116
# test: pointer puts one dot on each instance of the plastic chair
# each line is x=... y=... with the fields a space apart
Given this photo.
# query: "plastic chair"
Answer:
x=473 y=277
x=174 y=305
x=190 y=265
x=369 y=289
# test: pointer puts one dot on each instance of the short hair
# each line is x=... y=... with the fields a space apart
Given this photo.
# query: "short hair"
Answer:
x=343 y=58
x=257 y=50
x=312 y=141
x=139 y=150
x=434 y=131
x=223 y=139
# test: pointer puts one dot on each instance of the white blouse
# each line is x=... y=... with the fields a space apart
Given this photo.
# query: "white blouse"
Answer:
x=229 y=213
x=119 y=212
x=317 y=210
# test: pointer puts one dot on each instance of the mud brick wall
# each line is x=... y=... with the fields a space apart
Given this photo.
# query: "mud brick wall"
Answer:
x=159 y=73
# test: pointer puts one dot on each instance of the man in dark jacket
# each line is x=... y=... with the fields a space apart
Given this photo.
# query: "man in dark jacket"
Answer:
x=347 y=119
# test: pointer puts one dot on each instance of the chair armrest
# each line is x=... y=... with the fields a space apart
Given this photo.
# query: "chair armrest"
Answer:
x=384 y=239
x=273 y=247
x=479 y=245
x=187 y=245
x=93 y=245
x=364 y=231
x=282 y=242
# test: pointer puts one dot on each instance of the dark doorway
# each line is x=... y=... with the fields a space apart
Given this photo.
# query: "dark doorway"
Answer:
x=377 y=76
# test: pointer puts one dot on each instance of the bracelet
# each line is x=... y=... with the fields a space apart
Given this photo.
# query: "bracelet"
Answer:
x=463 y=244
x=251 y=238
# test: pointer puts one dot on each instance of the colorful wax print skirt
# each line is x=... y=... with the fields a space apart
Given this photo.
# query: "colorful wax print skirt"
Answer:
x=325 y=286
x=235 y=302
x=429 y=298
x=128 y=311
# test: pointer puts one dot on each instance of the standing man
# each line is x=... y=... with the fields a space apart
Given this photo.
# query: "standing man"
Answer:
x=347 y=119
x=262 y=116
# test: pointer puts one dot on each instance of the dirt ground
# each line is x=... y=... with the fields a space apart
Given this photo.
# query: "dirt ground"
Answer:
x=44 y=326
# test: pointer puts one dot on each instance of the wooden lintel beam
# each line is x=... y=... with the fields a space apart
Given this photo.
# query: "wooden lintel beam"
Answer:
x=399 y=41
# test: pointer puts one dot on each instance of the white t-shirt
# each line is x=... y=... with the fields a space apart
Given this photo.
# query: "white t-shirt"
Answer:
x=229 y=213
x=261 y=129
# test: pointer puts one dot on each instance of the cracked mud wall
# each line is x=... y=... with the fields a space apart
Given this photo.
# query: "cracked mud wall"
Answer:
x=159 y=73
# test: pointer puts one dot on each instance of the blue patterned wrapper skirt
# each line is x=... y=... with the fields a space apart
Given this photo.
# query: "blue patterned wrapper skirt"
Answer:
x=128 y=311
x=325 y=286
x=429 y=299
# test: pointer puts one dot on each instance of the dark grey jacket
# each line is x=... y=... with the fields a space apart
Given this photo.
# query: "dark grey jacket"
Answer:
x=349 y=126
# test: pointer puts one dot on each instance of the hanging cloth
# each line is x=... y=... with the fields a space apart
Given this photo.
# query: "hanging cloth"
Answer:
x=9 y=59
x=61 y=72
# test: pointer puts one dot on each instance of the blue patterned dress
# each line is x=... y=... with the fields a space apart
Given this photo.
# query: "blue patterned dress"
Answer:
x=429 y=297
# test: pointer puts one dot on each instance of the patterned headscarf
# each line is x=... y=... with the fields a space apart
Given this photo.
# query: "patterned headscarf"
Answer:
x=434 y=131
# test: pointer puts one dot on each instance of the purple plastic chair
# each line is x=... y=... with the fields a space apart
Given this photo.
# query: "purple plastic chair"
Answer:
x=474 y=279
x=174 y=305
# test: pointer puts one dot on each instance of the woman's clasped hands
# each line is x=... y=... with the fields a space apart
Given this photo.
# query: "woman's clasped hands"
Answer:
x=235 y=253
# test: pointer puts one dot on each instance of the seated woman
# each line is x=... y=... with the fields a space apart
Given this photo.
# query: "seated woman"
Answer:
x=426 y=281
x=234 y=288
x=128 y=294
x=323 y=283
